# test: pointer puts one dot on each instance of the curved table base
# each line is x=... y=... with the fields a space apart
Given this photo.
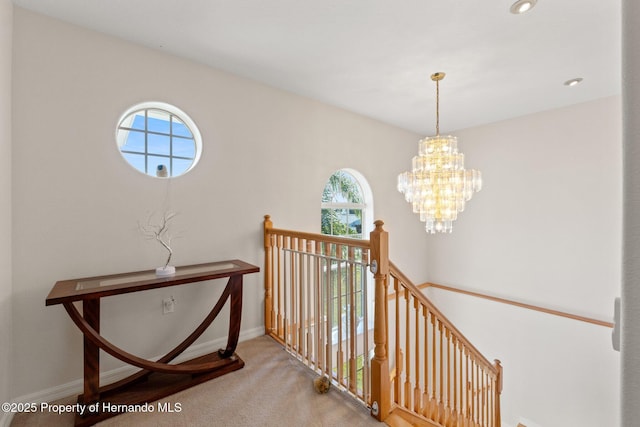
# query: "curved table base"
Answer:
x=150 y=388
x=156 y=379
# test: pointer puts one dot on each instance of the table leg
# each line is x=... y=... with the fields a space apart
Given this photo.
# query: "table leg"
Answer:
x=235 y=282
x=91 y=314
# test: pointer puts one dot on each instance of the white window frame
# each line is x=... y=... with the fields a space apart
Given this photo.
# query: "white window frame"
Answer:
x=126 y=121
x=366 y=206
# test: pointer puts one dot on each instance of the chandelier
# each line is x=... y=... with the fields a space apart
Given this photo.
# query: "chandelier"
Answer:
x=438 y=185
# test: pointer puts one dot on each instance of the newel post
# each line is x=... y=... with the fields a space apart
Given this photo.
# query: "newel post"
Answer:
x=498 y=392
x=268 y=275
x=380 y=383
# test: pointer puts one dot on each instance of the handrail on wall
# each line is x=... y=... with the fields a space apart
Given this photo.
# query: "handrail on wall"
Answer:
x=520 y=304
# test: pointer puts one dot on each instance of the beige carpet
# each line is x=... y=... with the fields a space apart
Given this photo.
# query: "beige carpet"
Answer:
x=272 y=389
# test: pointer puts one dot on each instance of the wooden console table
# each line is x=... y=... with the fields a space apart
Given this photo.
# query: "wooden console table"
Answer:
x=160 y=378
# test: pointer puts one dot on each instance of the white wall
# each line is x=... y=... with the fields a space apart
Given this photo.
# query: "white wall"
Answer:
x=77 y=203
x=546 y=230
x=6 y=31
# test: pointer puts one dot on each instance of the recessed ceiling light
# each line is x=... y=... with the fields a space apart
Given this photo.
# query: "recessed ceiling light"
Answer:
x=573 y=82
x=522 y=6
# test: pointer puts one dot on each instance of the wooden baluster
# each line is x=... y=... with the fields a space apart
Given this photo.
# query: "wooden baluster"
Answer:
x=471 y=399
x=489 y=375
x=425 y=393
x=398 y=380
x=498 y=392
x=417 y=392
x=447 y=410
x=407 y=348
x=481 y=401
x=460 y=383
x=441 y=412
x=469 y=396
x=454 y=413
x=280 y=287
x=489 y=399
x=485 y=398
x=477 y=392
x=386 y=317
x=433 y=406
x=490 y=407
x=399 y=367
x=467 y=411
x=473 y=393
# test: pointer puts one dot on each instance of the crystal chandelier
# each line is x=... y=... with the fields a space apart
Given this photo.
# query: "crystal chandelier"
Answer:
x=438 y=185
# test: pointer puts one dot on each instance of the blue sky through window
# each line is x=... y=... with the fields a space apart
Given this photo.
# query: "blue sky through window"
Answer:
x=153 y=137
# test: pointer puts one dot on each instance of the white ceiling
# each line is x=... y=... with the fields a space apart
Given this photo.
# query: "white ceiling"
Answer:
x=374 y=57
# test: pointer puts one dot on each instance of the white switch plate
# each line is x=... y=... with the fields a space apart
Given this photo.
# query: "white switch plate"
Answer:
x=168 y=305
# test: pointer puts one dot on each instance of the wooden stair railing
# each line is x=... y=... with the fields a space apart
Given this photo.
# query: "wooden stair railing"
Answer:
x=319 y=291
x=440 y=376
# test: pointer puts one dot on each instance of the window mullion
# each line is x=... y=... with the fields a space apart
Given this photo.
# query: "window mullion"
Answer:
x=170 y=144
x=146 y=141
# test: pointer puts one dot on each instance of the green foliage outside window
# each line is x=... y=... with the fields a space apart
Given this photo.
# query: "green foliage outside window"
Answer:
x=341 y=215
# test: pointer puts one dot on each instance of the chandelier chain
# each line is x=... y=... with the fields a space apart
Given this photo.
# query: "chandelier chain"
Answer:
x=437 y=107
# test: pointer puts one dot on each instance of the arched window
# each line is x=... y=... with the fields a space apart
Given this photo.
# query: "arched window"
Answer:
x=347 y=211
x=347 y=205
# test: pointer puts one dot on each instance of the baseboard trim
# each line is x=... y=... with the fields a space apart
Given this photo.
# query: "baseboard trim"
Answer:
x=75 y=387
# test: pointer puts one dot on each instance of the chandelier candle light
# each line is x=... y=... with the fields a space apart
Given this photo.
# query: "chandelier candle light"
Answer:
x=438 y=185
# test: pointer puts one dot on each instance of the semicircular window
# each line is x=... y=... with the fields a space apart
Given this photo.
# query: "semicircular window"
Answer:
x=159 y=140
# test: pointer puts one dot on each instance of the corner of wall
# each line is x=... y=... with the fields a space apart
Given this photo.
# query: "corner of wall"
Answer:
x=6 y=245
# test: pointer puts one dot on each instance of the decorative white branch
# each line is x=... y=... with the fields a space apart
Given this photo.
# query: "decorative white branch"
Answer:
x=159 y=232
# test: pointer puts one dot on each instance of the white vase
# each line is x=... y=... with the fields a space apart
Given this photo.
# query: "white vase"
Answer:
x=169 y=270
